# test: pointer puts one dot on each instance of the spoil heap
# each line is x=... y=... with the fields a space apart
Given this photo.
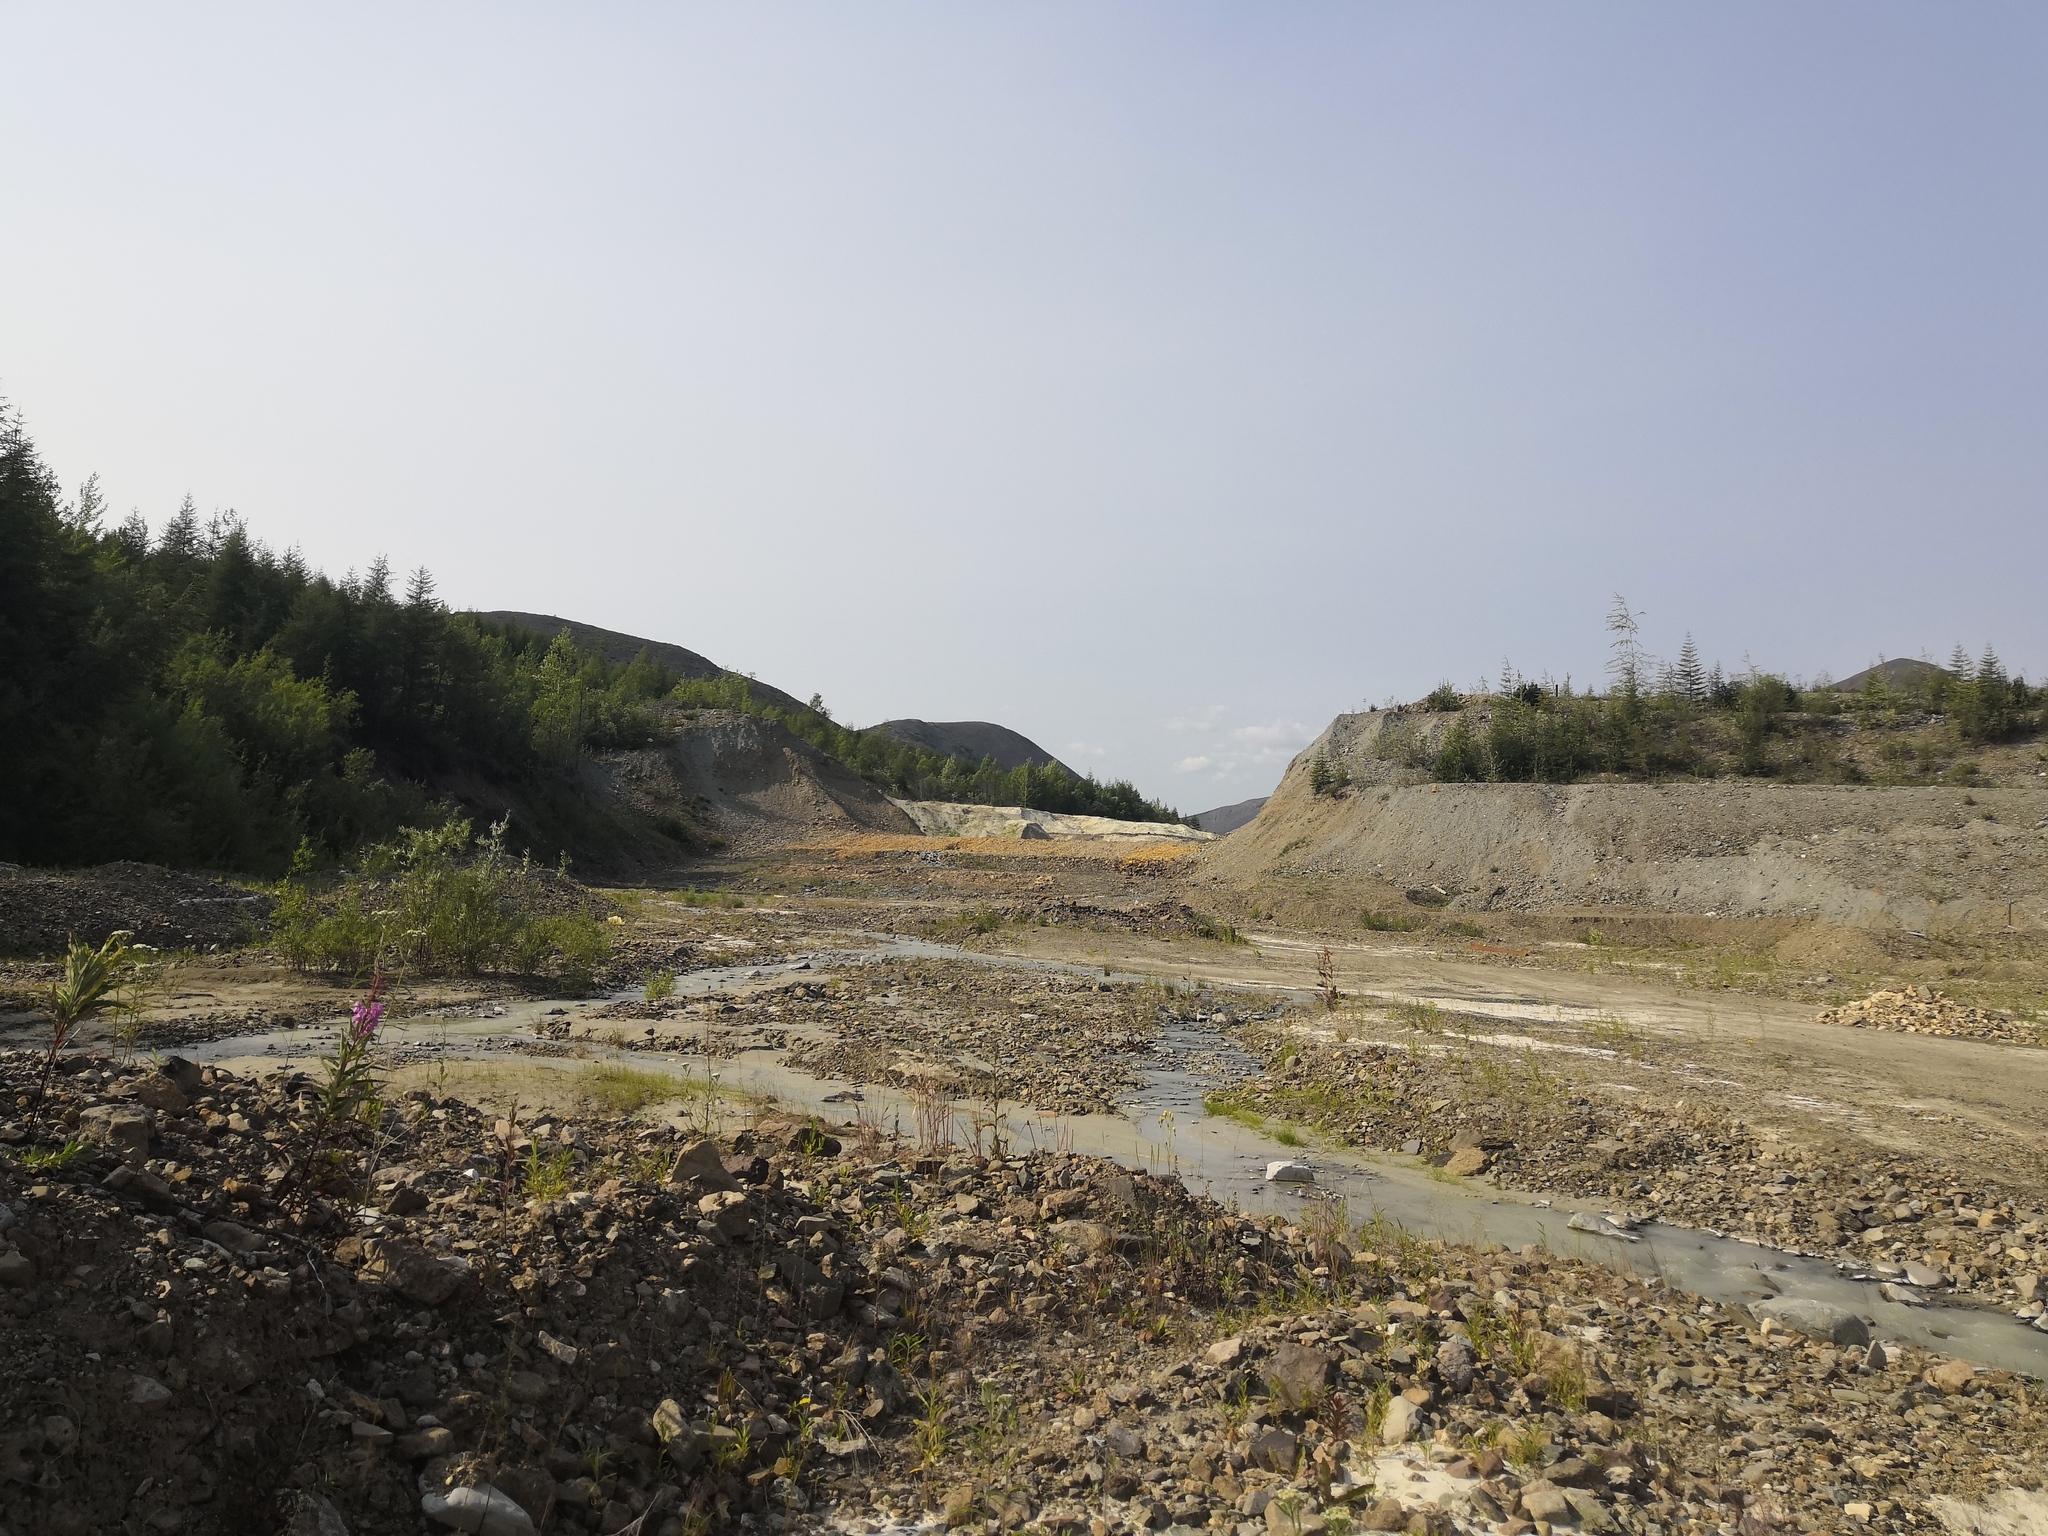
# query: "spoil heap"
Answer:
x=1924 y=1011
x=220 y=1312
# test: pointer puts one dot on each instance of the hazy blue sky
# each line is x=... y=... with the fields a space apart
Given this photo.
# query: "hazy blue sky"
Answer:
x=1155 y=379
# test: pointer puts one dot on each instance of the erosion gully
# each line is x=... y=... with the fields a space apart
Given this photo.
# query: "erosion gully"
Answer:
x=1164 y=1128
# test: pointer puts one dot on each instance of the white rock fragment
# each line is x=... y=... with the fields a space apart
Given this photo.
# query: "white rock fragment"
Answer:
x=1287 y=1171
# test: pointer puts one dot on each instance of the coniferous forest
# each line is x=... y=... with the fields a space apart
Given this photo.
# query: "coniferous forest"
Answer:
x=192 y=698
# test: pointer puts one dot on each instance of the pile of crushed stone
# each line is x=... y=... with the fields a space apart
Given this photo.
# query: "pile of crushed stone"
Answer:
x=1924 y=1011
x=42 y=910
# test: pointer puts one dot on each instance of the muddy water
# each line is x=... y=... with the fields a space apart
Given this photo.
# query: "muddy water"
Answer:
x=1165 y=1128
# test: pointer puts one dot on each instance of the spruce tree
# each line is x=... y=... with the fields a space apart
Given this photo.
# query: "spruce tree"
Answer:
x=1690 y=680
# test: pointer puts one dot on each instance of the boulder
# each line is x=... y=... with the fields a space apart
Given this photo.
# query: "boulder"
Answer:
x=1952 y=1376
x=483 y=1510
x=1297 y=1375
x=1454 y=1364
x=1465 y=1162
x=411 y=1271
x=125 y=1129
x=1403 y=1416
x=699 y=1163
x=160 y=1093
x=1816 y=1319
x=1273 y=1448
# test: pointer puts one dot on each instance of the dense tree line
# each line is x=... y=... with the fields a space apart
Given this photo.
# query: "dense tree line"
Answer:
x=1684 y=721
x=193 y=698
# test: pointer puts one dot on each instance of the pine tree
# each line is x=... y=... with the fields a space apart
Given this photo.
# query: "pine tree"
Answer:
x=1959 y=664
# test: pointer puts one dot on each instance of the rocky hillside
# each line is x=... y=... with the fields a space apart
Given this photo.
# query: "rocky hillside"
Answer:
x=1919 y=858
x=747 y=782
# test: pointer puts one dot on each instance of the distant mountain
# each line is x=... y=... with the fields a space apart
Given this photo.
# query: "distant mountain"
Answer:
x=1228 y=818
x=620 y=649
x=973 y=740
x=1899 y=672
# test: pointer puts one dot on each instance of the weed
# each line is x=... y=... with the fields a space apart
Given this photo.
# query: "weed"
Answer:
x=94 y=981
x=1465 y=930
x=1423 y=1016
x=1524 y=1447
x=47 y=1159
x=661 y=986
x=1288 y=1136
x=1566 y=1384
x=930 y=1432
x=626 y=1090
x=547 y=1178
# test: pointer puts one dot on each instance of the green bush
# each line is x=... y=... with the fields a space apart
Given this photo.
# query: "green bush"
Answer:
x=438 y=902
x=1388 y=922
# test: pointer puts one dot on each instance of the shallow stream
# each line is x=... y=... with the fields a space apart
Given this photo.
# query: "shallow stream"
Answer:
x=1165 y=1128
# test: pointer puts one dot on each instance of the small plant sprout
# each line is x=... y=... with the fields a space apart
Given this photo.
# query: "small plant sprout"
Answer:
x=94 y=981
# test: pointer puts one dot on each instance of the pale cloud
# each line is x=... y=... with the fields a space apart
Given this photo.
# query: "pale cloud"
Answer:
x=1207 y=720
x=1260 y=745
x=1085 y=749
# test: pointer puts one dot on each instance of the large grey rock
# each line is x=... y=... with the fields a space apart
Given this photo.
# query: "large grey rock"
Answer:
x=124 y=1128
x=1297 y=1375
x=1816 y=1319
x=1454 y=1363
x=411 y=1271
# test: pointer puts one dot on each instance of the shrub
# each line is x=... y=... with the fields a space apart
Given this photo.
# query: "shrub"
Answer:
x=661 y=986
x=1444 y=699
x=1325 y=779
x=437 y=902
x=1388 y=922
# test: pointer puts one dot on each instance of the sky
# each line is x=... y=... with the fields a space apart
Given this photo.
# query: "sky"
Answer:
x=1155 y=379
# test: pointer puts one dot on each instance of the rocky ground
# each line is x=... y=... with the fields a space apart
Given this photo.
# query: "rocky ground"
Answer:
x=223 y=1315
x=1428 y=1083
x=600 y=1320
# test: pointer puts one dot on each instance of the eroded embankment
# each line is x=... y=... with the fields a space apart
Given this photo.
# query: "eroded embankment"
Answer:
x=1927 y=859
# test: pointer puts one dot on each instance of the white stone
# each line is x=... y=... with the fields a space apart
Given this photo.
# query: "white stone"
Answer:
x=1399 y=1425
x=1287 y=1171
x=483 y=1510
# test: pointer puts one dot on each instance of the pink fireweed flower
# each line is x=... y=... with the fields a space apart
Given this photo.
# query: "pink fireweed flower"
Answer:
x=365 y=1017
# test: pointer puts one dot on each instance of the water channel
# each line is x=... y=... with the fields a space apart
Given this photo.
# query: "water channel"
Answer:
x=1164 y=1128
